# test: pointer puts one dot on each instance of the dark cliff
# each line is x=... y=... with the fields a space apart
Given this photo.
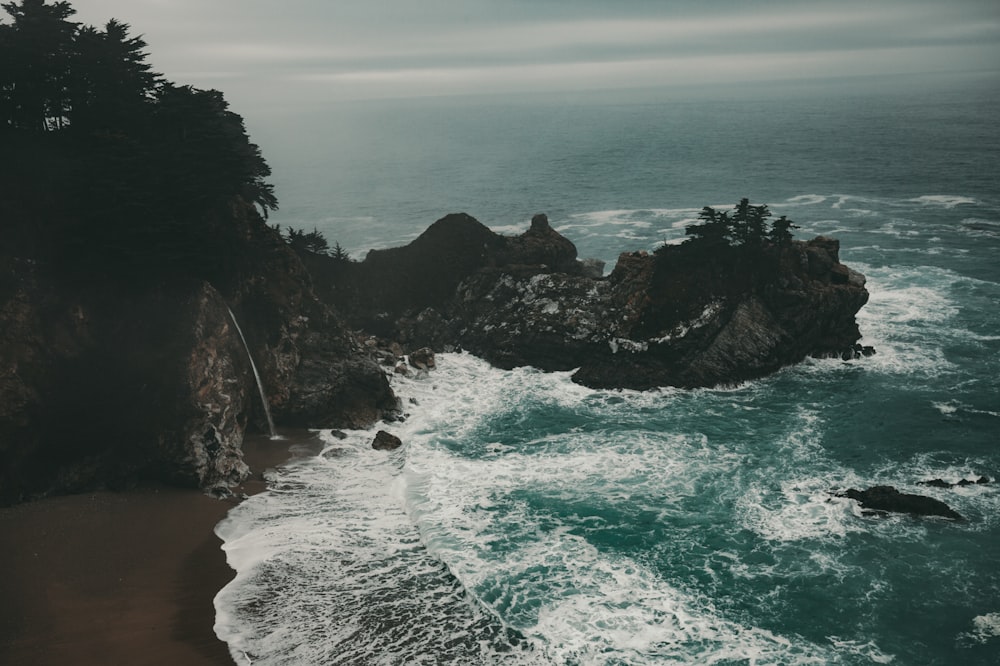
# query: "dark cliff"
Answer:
x=105 y=381
x=686 y=316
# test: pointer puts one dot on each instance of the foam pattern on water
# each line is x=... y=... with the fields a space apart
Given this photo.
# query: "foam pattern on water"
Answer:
x=331 y=571
x=516 y=525
x=531 y=520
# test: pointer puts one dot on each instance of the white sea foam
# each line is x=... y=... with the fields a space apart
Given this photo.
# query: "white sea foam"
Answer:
x=478 y=541
x=868 y=650
x=330 y=570
x=805 y=200
x=985 y=629
x=483 y=516
x=955 y=407
x=788 y=506
x=908 y=318
x=942 y=200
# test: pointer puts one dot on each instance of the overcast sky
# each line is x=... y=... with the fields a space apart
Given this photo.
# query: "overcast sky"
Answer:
x=305 y=51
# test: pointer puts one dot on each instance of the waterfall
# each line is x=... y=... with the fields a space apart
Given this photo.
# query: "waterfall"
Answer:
x=256 y=376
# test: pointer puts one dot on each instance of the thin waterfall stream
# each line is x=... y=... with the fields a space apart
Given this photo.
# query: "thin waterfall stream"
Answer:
x=256 y=376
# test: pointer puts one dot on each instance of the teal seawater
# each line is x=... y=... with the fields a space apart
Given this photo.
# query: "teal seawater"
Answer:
x=528 y=520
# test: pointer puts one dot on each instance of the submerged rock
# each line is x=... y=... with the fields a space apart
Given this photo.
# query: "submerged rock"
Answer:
x=887 y=498
x=941 y=483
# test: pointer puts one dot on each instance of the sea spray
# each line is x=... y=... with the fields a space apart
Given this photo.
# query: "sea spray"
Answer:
x=527 y=519
x=256 y=375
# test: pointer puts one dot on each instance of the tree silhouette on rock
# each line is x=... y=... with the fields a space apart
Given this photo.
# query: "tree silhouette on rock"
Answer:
x=747 y=228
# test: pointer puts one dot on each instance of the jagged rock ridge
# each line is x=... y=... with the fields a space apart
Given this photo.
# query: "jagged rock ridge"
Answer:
x=682 y=316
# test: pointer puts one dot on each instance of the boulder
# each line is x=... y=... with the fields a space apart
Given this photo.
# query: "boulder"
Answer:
x=385 y=441
x=422 y=359
x=887 y=498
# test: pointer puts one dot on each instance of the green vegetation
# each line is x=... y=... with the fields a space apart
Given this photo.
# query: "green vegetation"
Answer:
x=107 y=167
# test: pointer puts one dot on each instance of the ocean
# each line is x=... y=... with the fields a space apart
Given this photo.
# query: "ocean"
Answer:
x=529 y=520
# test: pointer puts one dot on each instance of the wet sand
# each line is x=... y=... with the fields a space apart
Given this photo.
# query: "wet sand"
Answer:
x=119 y=578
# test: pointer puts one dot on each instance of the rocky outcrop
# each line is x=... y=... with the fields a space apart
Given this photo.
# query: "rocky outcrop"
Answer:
x=961 y=483
x=93 y=396
x=103 y=383
x=685 y=316
x=888 y=499
x=386 y=441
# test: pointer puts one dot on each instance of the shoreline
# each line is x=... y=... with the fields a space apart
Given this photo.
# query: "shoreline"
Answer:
x=122 y=577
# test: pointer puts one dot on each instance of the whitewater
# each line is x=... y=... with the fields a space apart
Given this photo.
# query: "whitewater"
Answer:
x=530 y=520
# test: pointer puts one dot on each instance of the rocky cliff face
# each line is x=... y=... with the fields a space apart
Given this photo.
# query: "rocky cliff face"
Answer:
x=103 y=383
x=683 y=316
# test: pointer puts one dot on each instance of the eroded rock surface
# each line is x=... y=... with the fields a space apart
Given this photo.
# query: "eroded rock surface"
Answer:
x=682 y=316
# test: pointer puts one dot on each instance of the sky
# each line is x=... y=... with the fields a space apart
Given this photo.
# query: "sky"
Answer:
x=301 y=52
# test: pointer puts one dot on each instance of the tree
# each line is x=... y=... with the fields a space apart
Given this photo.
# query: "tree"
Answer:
x=780 y=233
x=202 y=151
x=715 y=228
x=313 y=242
x=749 y=223
x=111 y=84
x=35 y=52
x=747 y=227
x=339 y=253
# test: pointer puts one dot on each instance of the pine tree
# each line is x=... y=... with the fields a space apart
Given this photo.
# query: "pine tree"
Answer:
x=715 y=228
x=35 y=52
x=780 y=233
x=112 y=84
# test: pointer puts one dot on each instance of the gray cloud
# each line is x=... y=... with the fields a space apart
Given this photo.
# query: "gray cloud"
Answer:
x=315 y=49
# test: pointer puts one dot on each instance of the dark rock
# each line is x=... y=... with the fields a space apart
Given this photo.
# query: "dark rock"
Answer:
x=422 y=359
x=683 y=316
x=592 y=268
x=540 y=223
x=867 y=350
x=105 y=393
x=941 y=483
x=385 y=441
x=541 y=245
x=887 y=498
x=104 y=382
x=840 y=274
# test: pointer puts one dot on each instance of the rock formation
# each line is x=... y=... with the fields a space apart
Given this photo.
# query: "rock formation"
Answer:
x=386 y=441
x=887 y=498
x=681 y=316
x=941 y=483
x=105 y=383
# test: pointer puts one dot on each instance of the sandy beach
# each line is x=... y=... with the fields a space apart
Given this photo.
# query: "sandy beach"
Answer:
x=119 y=578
